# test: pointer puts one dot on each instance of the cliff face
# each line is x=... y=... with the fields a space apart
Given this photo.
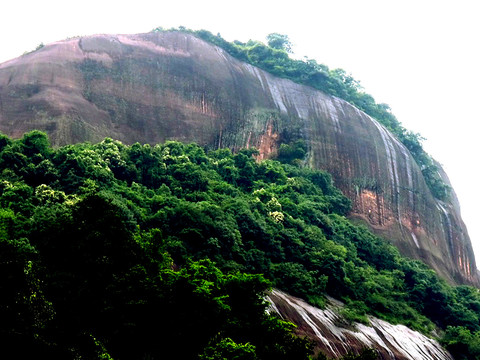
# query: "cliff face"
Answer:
x=158 y=86
x=335 y=337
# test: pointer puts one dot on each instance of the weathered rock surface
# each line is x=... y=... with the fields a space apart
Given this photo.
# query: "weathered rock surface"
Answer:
x=335 y=337
x=158 y=86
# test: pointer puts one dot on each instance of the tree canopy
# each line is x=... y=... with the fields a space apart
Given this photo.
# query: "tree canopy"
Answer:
x=127 y=252
x=279 y=42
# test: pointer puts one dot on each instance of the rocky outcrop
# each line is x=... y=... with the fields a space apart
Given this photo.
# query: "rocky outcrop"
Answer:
x=158 y=86
x=335 y=337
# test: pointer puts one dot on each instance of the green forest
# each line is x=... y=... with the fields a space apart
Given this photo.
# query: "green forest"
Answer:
x=113 y=251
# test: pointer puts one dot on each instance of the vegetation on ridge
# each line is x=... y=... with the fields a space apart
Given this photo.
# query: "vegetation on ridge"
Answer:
x=274 y=58
x=129 y=251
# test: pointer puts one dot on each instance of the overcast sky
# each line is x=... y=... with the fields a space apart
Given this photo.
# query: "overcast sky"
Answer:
x=421 y=57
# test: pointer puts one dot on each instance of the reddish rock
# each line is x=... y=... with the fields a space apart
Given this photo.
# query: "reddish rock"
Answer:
x=158 y=86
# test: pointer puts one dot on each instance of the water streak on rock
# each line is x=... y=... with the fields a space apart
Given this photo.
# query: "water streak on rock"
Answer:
x=335 y=336
x=448 y=228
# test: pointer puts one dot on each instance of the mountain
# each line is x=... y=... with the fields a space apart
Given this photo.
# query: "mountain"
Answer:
x=153 y=87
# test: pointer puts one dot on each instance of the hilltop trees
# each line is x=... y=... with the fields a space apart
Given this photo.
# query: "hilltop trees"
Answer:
x=279 y=42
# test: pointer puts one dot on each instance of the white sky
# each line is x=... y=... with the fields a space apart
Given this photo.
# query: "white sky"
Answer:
x=421 y=57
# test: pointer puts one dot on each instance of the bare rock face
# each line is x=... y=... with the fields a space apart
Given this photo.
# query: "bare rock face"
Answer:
x=335 y=337
x=158 y=86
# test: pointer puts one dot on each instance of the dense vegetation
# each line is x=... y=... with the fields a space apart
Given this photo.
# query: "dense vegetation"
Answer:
x=126 y=252
x=274 y=58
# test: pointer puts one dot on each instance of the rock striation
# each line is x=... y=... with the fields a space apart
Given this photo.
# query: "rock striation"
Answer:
x=159 y=86
x=335 y=337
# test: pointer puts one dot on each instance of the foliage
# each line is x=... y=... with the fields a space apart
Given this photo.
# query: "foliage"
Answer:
x=38 y=47
x=462 y=343
x=107 y=246
x=292 y=153
x=365 y=354
x=229 y=349
x=279 y=42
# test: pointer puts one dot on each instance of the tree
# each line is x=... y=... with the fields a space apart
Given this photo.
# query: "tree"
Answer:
x=279 y=42
x=461 y=343
x=229 y=349
x=36 y=142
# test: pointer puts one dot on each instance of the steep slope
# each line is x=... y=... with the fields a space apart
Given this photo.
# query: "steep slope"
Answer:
x=158 y=86
x=335 y=337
